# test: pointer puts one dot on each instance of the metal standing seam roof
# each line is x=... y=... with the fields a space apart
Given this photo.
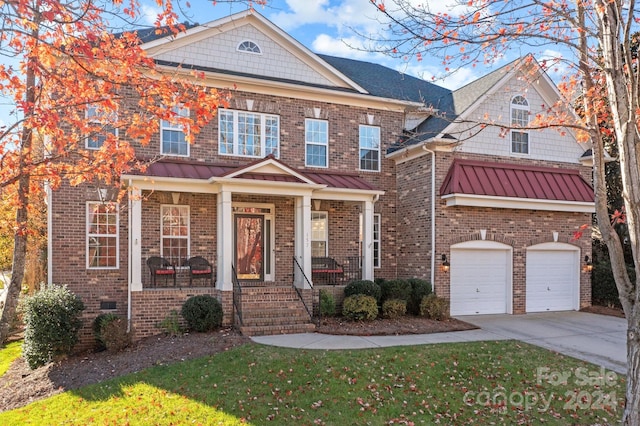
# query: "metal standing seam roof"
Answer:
x=513 y=180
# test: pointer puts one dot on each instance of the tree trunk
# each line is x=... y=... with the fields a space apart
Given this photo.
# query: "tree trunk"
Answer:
x=631 y=414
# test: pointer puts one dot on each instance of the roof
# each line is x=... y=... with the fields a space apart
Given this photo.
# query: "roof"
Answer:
x=472 y=177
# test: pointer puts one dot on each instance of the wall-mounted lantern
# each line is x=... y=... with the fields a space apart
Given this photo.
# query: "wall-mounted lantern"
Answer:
x=445 y=263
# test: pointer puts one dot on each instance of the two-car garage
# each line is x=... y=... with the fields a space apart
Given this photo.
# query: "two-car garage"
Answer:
x=482 y=276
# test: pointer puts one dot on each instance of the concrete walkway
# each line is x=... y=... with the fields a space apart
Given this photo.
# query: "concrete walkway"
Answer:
x=598 y=339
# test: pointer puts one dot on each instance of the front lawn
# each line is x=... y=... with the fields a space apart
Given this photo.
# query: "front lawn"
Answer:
x=504 y=382
x=8 y=354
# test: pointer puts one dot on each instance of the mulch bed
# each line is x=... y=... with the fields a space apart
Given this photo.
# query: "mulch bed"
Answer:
x=390 y=327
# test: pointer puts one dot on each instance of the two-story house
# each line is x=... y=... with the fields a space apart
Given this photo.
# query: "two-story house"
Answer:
x=322 y=157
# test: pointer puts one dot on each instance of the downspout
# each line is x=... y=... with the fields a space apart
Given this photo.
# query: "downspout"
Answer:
x=49 y=201
x=433 y=214
x=129 y=274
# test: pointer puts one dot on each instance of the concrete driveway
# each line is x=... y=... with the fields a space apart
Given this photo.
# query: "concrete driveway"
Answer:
x=599 y=339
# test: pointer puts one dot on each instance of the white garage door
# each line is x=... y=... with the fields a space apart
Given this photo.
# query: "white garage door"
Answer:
x=553 y=279
x=480 y=280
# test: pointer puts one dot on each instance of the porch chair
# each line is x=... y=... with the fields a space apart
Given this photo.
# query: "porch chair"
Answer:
x=199 y=267
x=159 y=266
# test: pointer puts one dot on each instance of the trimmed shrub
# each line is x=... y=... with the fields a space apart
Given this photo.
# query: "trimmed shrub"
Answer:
x=115 y=335
x=327 y=304
x=202 y=313
x=52 y=320
x=360 y=307
x=603 y=287
x=394 y=308
x=419 y=289
x=366 y=287
x=434 y=307
x=171 y=324
x=396 y=289
x=98 y=326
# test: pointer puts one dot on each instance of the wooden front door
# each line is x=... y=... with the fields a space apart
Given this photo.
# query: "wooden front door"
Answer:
x=249 y=257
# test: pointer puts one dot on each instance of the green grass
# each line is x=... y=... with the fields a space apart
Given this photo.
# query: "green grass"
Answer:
x=446 y=384
x=8 y=354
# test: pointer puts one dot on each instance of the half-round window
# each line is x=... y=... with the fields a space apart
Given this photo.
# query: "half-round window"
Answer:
x=249 y=47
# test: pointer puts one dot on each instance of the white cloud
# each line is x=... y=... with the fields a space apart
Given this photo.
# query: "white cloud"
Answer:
x=347 y=47
x=433 y=74
x=341 y=15
x=149 y=13
x=555 y=63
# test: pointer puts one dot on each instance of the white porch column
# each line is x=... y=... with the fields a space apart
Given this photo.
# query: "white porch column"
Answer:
x=302 y=242
x=135 y=239
x=225 y=241
x=367 y=240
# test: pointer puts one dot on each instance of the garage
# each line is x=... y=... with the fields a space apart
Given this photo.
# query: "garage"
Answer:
x=553 y=277
x=480 y=278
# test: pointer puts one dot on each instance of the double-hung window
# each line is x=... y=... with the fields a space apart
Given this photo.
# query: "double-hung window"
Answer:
x=519 y=118
x=173 y=139
x=101 y=126
x=369 y=148
x=248 y=134
x=174 y=239
x=319 y=234
x=316 y=135
x=102 y=235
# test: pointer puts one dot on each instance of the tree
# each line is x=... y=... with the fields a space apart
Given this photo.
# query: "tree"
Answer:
x=596 y=38
x=80 y=77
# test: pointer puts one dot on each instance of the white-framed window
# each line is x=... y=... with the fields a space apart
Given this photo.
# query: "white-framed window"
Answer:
x=519 y=118
x=377 y=223
x=316 y=135
x=319 y=233
x=248 y=134
x=102 y=235
x=174 y=233
x=172 y=135
x=369 y=148
x=103 y=125
x=249 y=46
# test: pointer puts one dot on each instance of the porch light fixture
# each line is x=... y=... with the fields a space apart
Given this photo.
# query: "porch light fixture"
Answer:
x=317 y=204
x=175 y=196
x=588 y=266
x=445 y=263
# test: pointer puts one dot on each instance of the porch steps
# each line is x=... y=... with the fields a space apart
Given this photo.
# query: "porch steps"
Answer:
x=268 y=310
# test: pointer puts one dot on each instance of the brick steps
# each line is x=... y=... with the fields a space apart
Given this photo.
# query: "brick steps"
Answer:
x=268 y=310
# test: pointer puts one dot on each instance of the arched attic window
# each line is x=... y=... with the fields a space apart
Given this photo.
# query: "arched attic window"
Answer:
x=249 y=46
x=519 y=118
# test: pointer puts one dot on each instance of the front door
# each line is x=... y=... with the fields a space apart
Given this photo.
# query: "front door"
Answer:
x=249 y=258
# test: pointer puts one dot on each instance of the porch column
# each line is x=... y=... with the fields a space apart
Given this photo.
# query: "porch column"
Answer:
x=225 y=242
x=135 y=239
x=367 y=240
x=302 y=243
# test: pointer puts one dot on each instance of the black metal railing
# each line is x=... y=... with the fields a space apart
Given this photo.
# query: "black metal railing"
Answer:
x=237 y=295
x=336 y=270
x=310 y=311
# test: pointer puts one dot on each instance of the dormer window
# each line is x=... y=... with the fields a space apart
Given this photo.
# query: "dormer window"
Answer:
x=249 y=47
x=519 y=118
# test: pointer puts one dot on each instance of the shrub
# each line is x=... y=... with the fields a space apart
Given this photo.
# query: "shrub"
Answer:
x=327 y=304
x=434 y=307
x=603 y=287
x=202 y=313
x=394 y=308
x=115 y=335
x=171 y=324
x=396 y=289
x=98 y=326
x=419 y=289
x=366 y=287
x=52 y=319
x=359 y=307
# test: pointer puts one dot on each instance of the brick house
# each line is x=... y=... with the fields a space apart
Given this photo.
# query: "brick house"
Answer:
x=328 y=169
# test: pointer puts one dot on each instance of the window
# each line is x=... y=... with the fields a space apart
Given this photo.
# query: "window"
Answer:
x=316 y=142
x=174 y=238
x=519 y=118
x=248 y=134
x=369 y=148
x=102 y=235
x=377 y=257
x=97 y=118
x=319 y=234
x=249 y=47
x=172 y=135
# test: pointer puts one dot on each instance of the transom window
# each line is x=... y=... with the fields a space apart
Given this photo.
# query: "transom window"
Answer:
x=319 y=234
x=369 y=148
x=249 y=47
x=172 y=135
x=316 y=142
x=101 y=124
x=248 y=134
x=174 y=244
x=519 y=118
x=102 y=235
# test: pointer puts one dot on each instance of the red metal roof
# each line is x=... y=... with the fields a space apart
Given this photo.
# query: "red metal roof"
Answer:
x=185 y=170
x=514 y=180
x=344 y=181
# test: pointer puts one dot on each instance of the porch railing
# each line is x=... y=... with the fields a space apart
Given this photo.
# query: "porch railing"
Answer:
x=237 y=294
x=298 y=268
